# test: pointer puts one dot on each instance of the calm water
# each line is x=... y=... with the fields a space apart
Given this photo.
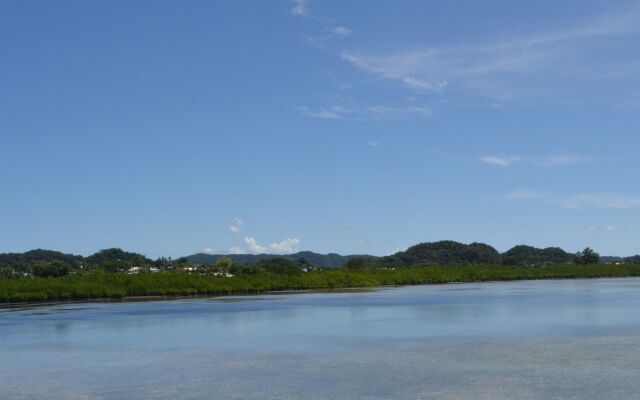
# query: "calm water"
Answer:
x=574 y=339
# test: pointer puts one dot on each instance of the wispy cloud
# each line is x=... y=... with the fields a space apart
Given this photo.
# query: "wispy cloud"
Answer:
x=415 y=83
x=602 y=228
x=335 y=112
x=299 y=7
x=545 y=63
x=601 y=200
x=537 y=161
x=342 y=31
x=373 y=143
x=504 y=161
x=367 y=113
x=236 y=227
x=580 y=201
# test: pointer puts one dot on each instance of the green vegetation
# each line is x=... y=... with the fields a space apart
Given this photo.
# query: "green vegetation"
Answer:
x=330 y=260
x=44 y=275
x=445 y=252
x=527 y=255
x=278 y=275
x=21 y=262
x=587 y=256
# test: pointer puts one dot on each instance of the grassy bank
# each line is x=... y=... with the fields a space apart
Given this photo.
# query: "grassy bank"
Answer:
x=105 y=285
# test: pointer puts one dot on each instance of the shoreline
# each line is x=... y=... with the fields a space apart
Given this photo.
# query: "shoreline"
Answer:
x=151 y=298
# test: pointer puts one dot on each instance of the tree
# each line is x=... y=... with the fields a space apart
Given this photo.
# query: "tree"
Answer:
x=113 y=266
x=279 y=266
x=587 y=256
x=6 y=272
x=224 y=264
x=356 y=263
x=54 y=269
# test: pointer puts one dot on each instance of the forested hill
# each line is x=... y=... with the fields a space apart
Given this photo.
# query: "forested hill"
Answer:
x=21 y=261
x=444 y=253
x=308 y=257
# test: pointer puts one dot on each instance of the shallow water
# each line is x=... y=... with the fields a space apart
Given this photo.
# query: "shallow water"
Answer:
x=570 y=339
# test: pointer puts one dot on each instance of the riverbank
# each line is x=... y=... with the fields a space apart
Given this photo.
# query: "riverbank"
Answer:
x=98 y=285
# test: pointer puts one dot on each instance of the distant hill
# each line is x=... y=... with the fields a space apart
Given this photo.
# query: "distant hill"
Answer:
x=25 y=261
x=22 y=261
x=331 y=260
x=446 y=252
x=117 y=255
x=528 y=255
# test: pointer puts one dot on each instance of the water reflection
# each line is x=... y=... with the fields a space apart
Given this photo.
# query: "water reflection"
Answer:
x=510 y=340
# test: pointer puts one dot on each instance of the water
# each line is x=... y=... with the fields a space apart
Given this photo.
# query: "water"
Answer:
x=572 y=339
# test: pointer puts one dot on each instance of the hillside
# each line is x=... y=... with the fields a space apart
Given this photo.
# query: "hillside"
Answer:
x=331 y=260
x=446 y=252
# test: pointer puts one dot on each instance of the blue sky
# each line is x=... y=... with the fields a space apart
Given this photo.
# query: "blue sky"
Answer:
x=170 y=127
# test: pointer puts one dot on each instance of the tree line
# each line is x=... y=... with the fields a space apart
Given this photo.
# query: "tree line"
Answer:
x=47 y=263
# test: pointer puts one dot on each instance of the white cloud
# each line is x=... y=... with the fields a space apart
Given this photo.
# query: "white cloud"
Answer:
x=499 y=161
x=208 y=250
x=334 y=112
x=423 y=84
x=601 y=200
x=341 y=31
x=367 y=113
x=237 y=250
x=252 y=247
x=539 y=65
x=373 y=143
x=602 y=228
x=299 y=7
x=544 y=161
x=363 y=242
x=236 y=227
x=286 y=246
x=579 y=201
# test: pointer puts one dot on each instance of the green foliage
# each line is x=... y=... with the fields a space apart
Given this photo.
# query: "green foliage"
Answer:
x=330 y=260
x=254 y=279
x=6 y=272
x=54 y=269
x=531 y=256
x=445 y=252
x=24 y=261
x=632 y=260
x=357 y=263
x=280 y=266
x=224 y=264
x=118 y=255
x=587 y=256
x=113 y=266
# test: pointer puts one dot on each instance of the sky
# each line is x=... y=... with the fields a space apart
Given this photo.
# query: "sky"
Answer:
x=175 y=127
